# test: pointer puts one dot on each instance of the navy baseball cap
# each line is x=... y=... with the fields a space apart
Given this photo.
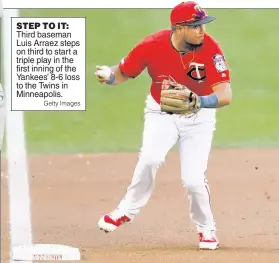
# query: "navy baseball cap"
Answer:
x=189 y=14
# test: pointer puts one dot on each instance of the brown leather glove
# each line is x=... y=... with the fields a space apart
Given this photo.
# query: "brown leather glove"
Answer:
x=178 y=99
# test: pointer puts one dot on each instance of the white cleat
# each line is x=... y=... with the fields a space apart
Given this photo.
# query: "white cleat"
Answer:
x=110 y=222
x=208 y=240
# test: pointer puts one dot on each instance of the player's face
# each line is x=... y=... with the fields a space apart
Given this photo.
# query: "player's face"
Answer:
x=194 y=34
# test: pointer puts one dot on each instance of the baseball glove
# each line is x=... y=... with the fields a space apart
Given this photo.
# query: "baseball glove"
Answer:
x=178 y=99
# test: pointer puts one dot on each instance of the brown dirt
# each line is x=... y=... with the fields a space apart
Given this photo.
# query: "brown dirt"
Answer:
x=70 y=193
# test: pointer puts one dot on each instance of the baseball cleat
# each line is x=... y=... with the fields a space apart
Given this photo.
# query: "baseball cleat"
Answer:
x=113 y=220
x=208 y=240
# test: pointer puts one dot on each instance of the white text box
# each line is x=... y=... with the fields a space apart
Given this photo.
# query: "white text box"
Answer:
x=48 y=64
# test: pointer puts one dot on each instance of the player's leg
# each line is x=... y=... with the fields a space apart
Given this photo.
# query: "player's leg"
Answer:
x=194 y=146
x=159 y=136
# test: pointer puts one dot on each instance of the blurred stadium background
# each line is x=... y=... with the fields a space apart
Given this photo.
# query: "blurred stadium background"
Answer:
x=113 y=119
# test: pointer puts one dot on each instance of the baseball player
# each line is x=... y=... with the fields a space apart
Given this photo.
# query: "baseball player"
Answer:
x=190 y=79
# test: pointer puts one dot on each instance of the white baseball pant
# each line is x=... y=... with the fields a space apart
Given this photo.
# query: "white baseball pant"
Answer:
x=161 y=132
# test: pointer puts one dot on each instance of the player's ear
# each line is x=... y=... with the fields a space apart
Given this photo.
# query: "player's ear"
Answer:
x=179 y=29
x=202 y=28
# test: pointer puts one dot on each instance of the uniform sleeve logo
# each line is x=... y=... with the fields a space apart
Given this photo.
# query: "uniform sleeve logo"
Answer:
x=220 y=63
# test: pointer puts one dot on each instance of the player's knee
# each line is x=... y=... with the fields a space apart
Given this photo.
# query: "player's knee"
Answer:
x=192 y=180
x=151 y=159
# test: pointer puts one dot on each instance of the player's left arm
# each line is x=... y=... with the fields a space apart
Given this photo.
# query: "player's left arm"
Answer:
x=222 y=96
x=223 y=93
x=218 y=78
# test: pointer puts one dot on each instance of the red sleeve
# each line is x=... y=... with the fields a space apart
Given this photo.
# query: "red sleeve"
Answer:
x=135 y=62
x=217 y=70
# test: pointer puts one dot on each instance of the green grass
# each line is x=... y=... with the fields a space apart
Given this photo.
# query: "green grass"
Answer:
x=250 y=48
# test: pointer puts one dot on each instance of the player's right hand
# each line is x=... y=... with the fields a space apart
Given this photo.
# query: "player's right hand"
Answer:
x=103 y=73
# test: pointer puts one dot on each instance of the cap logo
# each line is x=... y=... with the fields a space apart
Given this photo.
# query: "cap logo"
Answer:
x=200 y=14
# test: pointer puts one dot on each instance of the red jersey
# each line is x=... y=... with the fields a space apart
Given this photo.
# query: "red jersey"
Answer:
x=199 y=70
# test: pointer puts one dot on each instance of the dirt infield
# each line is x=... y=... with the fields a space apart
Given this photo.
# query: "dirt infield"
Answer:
x=70 y=193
